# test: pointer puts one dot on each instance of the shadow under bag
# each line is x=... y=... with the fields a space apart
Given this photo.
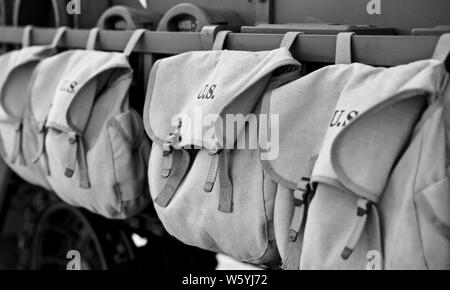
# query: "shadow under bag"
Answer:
x=17 y=138
x=91 y=142
x=207 y=193
x=362 y=177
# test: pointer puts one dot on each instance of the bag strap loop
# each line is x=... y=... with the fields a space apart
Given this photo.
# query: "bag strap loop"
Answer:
x=344 y=48
x=26 y=35
x=289 y=39
x=26 y=38
x=442 y=51
x=58 y=36
x=92 y=39
x=442 y=47
x=134 y=39
x=219 y=42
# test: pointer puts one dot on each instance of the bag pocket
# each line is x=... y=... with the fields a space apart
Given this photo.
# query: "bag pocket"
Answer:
x=130 y=151
x=433 y=214
x=14 y=142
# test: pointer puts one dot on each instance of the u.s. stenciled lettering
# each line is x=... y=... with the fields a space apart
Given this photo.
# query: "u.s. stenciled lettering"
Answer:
x=342 y=117
x=69 y=86
x=207 y=93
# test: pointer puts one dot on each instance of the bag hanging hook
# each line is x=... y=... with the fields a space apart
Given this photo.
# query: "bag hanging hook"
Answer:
x=221 y=37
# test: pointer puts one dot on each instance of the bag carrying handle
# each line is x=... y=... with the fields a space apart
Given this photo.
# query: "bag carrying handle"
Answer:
x=289 y=39
x=442 y=51
x=26 y=35
x=344 y=48
x=58 y=36
x=134 y=39
x=92 y=38
x=221 y=37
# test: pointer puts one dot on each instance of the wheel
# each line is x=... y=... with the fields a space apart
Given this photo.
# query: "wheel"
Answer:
x=47 y=13
x=62 y=228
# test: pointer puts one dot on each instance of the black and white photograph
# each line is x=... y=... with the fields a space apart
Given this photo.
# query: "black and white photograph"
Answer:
x=224 y=142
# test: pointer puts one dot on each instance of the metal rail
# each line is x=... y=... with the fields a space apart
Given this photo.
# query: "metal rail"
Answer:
x=369 y=49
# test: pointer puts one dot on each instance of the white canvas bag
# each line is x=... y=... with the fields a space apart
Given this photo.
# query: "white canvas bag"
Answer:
x=415 y=206
x=322 y=219
x=92 y=141
x=206 y=193
x=17 y=139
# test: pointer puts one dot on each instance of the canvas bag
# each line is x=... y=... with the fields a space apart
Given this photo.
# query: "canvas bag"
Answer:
x=93 y=143
x=415 y=206
x=211 y=196
x=329 y=100
x=363 y=155
x=16 y=138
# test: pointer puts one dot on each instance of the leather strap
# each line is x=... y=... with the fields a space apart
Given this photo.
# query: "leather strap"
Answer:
x=212 y=173
x=77 y=155
x=358 y=227
x=17 y=151
x=301 y=200
x=226 y=187
x=181 y=162
x=41 y=132
x=85 y=183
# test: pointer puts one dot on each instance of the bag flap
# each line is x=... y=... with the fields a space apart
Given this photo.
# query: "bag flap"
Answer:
x=315 y=109
x=373 y=121
x=195 y=85
x=16 y=68
x=66 y=86
x=304 y=108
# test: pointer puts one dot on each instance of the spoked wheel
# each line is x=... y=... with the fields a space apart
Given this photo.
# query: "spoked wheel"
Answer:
x=62 y=229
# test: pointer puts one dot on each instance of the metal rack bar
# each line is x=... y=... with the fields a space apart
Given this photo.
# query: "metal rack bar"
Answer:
x=153 y=42
x=369 y=49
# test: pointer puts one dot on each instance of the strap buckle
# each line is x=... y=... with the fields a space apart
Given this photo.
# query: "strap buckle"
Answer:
x=364 y=207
